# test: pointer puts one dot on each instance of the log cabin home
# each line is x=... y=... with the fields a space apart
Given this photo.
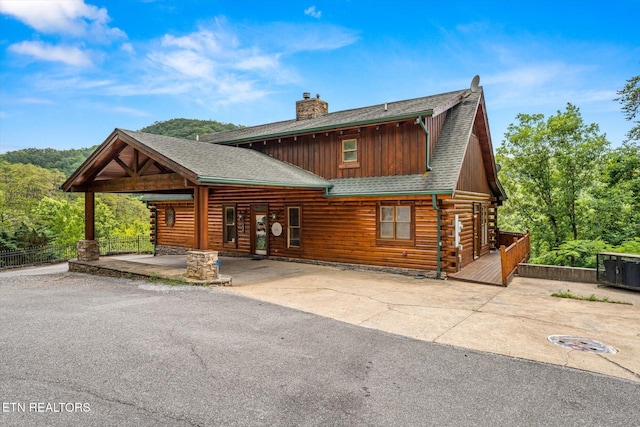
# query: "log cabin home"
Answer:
x=410 y=184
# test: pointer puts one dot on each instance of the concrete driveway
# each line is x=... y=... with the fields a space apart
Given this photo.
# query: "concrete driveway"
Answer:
x=514 y=321
x=93 y=351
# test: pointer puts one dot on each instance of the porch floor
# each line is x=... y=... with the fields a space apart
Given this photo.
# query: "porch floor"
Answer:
x=486 y=270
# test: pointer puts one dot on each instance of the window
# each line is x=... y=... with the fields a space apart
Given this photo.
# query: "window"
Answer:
x=349 y=154
x=293 y=227
x=395 y=223
x=230 y=225
x=349 y=150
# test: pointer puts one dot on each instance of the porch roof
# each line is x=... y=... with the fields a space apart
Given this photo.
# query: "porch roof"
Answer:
x=197 y=161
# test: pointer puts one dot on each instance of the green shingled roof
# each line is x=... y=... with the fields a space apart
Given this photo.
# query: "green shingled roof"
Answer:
x=213 y=163
x=339 y=119
x=445 y=163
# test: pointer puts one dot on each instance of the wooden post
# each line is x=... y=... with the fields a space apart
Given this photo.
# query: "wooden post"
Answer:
x=201 y=214
x=89 y=216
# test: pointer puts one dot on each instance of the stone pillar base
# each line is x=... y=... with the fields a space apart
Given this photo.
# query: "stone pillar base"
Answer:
x=202 y=265
x=88 y=250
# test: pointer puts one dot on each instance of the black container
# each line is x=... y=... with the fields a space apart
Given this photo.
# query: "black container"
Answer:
x=610 y=270
x=630 y=273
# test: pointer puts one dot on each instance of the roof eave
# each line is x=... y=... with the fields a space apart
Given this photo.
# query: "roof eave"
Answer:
x=428 y=112
x=393 y=193
x=230 y=181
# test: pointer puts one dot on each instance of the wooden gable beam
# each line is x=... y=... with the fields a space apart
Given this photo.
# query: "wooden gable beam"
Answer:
x=97 y=169
x=126 y=168
x=143 y=168
x=170 y=181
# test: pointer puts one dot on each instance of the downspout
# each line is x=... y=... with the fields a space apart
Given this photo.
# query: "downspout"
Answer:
x=434 y=201
x=426 y=138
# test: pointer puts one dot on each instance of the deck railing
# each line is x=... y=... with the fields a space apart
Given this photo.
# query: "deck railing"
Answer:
x=53 y=253
x=514 y=248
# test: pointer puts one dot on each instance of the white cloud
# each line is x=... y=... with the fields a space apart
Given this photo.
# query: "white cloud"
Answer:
x=69 y=17
x=69 y=55
x=130 y=111
x=311 y=11
x=34 y=101
x=128 y=48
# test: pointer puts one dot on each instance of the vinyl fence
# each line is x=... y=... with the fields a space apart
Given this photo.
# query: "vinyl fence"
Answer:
x=59 y=253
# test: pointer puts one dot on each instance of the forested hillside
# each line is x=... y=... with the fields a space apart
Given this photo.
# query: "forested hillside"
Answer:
x=187 y=128
x=33 y=210
x=65 y=161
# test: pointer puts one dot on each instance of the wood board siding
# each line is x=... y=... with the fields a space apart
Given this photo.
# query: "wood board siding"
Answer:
x=383 y=150
x=473 y=178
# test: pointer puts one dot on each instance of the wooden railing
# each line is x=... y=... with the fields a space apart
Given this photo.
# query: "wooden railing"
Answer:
x=514 y=248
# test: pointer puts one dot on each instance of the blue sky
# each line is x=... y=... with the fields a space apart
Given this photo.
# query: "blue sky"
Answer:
x=71 y=71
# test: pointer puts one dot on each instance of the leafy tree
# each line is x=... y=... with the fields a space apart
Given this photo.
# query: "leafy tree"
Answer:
x=22 y=186
x=188 y=128
x=551 y=165
x=629 y=97
x=614 y=209
x=64 y=219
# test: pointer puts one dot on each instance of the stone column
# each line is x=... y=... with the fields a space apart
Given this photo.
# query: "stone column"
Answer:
x=88 y=250
x=202 y=265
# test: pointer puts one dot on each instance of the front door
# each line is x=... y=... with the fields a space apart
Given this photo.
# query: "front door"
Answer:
x=260 y=225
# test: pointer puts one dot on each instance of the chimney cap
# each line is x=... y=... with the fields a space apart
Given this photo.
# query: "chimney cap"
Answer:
x=306 y=95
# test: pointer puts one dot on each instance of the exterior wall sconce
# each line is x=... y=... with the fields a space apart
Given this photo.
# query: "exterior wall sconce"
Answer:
x=274 y=215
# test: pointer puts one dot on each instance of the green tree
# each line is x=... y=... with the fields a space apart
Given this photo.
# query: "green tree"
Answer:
x=22 y=186
x=629 y=97
x=63 y=218
x=614 y=209
x=551 y=165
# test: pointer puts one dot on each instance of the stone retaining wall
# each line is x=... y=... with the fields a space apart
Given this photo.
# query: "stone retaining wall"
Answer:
x=553 y=272
x=81 y=267
x=169 y=250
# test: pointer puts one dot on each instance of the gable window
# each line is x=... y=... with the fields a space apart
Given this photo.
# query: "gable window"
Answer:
x=230 y=226
x=349 y=153
x=293 y=227
x=349 y=150
x=395 y=223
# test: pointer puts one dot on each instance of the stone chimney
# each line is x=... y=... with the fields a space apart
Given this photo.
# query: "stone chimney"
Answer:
x=310 y=108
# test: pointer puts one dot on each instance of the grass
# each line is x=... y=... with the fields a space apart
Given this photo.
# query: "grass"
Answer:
x=592 y=297
x=155 y=278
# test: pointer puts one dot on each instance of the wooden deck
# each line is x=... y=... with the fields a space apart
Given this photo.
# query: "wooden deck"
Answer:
x=486 y=270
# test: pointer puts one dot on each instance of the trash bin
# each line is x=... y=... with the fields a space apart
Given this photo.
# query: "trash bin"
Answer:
x=610 y=272
x=630 y=273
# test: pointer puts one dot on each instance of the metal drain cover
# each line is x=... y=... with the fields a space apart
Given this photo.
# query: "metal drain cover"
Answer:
x=581 y=344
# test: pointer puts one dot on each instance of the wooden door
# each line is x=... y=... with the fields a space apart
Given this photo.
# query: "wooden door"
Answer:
x=259 y=230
